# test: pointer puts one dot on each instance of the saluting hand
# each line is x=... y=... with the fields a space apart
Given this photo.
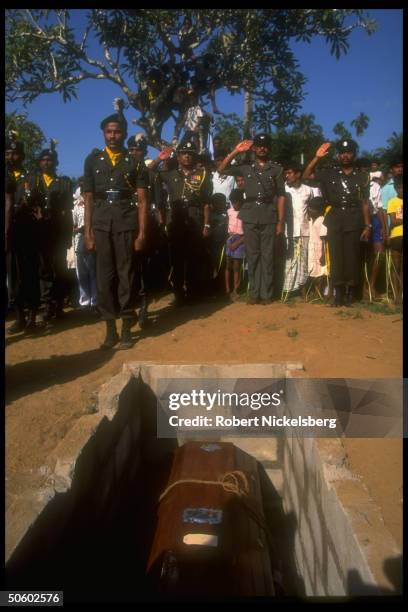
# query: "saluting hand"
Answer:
x=323 y=149
x=243 y=146
x=165 y=154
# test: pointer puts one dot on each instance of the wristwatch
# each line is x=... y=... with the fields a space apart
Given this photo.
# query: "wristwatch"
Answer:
x=368 y=225
x=206 y=225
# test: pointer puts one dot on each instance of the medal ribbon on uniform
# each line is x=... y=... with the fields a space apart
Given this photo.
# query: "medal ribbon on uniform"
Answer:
x=193 y=187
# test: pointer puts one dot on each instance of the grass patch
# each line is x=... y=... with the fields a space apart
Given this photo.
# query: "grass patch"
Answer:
x=374 y=307
x=292 y=333
x=382 y=308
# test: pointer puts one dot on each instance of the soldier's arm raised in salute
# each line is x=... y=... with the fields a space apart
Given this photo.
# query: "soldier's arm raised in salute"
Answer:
x=241 y=147
x=322 y=151
x=163 y=155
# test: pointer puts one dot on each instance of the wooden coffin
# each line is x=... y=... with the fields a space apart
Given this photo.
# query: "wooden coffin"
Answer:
x=211 y=539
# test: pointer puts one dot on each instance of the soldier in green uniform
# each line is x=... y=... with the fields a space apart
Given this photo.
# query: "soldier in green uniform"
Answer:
x=52 y=196
x=347 y=190
x=115 y=227
x=189 y=190
x=262 y=212
x=23 y=256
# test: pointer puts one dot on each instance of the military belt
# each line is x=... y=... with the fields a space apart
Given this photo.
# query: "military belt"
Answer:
x=114 y=196
x=345 y=206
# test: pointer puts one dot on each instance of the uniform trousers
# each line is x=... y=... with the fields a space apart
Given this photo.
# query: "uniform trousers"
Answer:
x=53 y=273
x=344 y=249
x=23 y=267
x=116 y=279
x=187 y=257
x=259 y=241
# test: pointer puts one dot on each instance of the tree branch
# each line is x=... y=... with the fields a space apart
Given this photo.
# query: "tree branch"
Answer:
x=85 y=36
x=35 y=22
x=117 y=78
x=54 y=65
x=167 y=43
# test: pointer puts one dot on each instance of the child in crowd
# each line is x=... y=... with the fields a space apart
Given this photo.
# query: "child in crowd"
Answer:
x=317 y=265
x=395 y=215
x=235 y=249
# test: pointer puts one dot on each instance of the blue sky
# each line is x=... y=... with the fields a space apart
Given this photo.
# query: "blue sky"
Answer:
x=368 y=79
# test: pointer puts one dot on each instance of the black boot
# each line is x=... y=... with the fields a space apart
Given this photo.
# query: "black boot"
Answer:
x=20 y=322
x=31 y=322
x=59 y=311
x=48 y=313
x=111 y=337
x=339 y=297
x=143 y=319
x=126 y=336
x=350 y=297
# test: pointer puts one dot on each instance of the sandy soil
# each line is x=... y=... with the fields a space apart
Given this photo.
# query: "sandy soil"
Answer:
x=52 y=378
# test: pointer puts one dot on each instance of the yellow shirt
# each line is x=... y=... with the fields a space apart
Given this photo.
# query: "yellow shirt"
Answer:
x=48 y=179
x=395 y=206
x=114 y=157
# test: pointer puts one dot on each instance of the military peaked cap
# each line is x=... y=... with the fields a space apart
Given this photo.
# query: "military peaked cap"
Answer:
x=187 y=147
x=14 y=145
x=115 y=118
x=346 y=145
x=137 y=143
x=263 y=139
x=48 y=153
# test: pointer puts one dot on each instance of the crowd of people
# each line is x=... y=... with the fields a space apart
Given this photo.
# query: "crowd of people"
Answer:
x=199 y=224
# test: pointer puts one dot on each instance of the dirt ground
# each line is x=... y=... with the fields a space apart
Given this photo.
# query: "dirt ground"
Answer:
x=52 y=378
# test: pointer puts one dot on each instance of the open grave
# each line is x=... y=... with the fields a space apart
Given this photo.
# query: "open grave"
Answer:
x=90 y=529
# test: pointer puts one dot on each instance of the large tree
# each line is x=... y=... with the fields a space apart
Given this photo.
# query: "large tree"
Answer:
x=152 y=54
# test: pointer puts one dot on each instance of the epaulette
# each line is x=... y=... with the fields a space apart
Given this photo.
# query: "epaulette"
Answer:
x=96 y=152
